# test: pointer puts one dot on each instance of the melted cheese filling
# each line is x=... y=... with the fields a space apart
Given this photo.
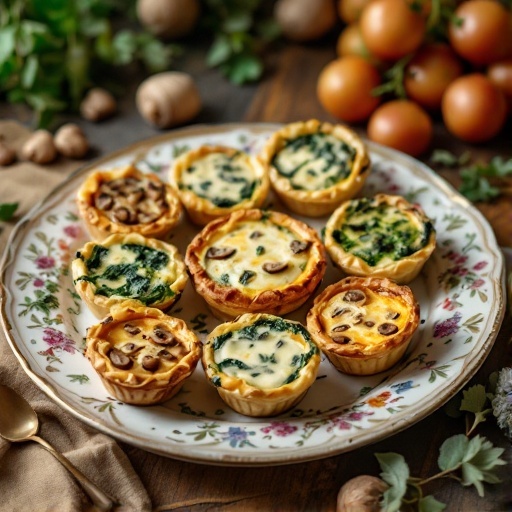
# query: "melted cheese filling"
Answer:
x=221 y=179
x=244 y=269
x=270 y=359
x=363 y=321
x=315 y=161
x=381 y=233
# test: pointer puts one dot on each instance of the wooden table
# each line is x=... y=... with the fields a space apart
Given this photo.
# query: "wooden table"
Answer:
x=287 y=93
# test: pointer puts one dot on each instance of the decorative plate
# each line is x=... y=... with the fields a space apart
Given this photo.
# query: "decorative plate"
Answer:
x=460 y=291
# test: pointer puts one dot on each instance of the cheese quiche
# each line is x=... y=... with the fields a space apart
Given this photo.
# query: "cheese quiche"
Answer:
x=255 y=261
x=213 y=181
x=260 y=364
x=142 y=355
x=383 y=236
x=126 y=200
x=128 y=267
x=364 y=324
x=314 y=166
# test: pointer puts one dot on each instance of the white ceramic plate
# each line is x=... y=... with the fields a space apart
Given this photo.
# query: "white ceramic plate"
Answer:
x=460 y=291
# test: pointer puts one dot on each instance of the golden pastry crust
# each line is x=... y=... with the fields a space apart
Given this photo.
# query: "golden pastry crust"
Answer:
x=157 y=280
x=241 y=379
x=316 y=200
x=273 y=263
x=136 y=202
x=142 y=355
x=364 y=325
x=202 y=207
x=405 y=254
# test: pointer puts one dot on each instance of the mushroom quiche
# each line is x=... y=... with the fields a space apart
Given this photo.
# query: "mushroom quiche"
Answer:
x=315 y=166
x=213 y=181
x=126 y=200
x=142 y=355
x=128 y=267
x=364 y=325
x=255 y=261
x=383 y=236
x=261 y=364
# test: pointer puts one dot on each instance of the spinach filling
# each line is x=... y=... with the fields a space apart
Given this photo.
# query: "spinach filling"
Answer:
x=260 y=330
x=337 y=155
x=373 y=232
x=137 y=280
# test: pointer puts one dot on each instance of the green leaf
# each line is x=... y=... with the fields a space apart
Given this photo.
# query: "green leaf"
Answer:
x=219 y=52
x=430 y=504
x=7 y=211
x=474 y=399
x=395 y=473
x=29 y=72
x=7 y=42
x=243 y=68
x=452 y=451
x=240 y=21
x=448 y=159
x=124 y=45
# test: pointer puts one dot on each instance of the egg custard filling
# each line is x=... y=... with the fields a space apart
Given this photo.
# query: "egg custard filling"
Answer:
x=315 y=161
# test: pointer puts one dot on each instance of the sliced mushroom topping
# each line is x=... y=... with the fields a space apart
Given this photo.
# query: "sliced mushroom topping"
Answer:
x=104 y=201
x=274 y=267
x=120 y=360
x=369 y=323
x=146 y=218
x=131 y=329
x=297 y=246
x=135 y=197
x=155 y=191
x=340 y=328
x=220 y=253
x=339 y=311
x=150 y=363
x=107 y=320
x=162 y=336
x=341 y=339
x=165 y=354
x=358 y=318
x=387 y=329
x=123 y=214
x=130 y=348
x=356 y=296
x=392 y=315
x=255 y=234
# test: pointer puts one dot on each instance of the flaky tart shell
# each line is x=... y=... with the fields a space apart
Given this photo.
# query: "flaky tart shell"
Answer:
x=137 y=385
x=199 y=209
x=404 y=270
x=100 y=305
x=368 y=352
x=316 y=203
x=98 y=223
x=228 y=302
x=245 y=398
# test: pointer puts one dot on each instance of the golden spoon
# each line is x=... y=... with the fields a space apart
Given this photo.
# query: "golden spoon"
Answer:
x=18 y=422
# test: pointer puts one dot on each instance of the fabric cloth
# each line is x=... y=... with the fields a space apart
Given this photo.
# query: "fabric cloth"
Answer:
x=31 y=479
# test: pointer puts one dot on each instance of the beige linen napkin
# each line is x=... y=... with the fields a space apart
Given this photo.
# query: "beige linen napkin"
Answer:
x=31 y=479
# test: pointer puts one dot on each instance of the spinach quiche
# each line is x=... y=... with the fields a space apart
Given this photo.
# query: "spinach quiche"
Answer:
x=314 y=166
x=213 y=181
x=364 y=324
x=128 y=267
x=126 y=200
x=142 y=355
x=382 y=236
x=261 y=364
x=255 y=261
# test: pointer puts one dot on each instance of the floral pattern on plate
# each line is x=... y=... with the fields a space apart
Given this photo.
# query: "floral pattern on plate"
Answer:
x=460 y=292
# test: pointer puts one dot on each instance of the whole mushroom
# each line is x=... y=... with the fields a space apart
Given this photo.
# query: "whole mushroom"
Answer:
x=70 y=141
x=39 y=148
x=169 y=19
x=167 y=99
x=361 y=494
x=98 y=104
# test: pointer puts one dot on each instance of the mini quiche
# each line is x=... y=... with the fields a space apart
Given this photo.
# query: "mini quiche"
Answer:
x=128 y=267
x=364 y=324
x=142 y=355
x=213 y=181
x=261 y=364
x=126 y=200
x=255 y=261
x=315 y=166
x=383 y=236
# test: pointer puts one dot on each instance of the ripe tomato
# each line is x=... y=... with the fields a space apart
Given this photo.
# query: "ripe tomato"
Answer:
x=429 y=73
x=350 y=10
x=344 y=88
x=481 y=31
x=500 y=74
x=391 y=29
x=473 y=108
x=350 y=42
x=403 y=125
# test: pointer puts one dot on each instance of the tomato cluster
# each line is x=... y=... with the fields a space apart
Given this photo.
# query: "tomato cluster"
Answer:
x=402 y=62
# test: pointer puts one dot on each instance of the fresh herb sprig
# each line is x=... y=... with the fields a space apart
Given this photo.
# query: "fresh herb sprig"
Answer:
x=7 y=211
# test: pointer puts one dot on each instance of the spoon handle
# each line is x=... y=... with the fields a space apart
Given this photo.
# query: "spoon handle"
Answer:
x=98 y=497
